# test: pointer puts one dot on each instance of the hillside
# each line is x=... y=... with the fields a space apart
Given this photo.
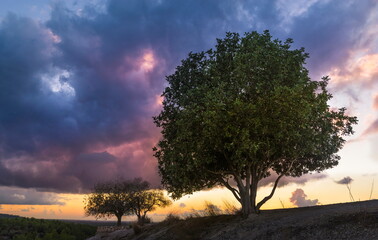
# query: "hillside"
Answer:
x=357 y=220
x=21 y=228
x=2 y=215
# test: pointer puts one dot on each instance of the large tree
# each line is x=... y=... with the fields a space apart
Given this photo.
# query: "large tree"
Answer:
x=233 y=115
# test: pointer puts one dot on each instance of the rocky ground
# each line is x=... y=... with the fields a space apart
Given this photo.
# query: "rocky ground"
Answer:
x=357 y=220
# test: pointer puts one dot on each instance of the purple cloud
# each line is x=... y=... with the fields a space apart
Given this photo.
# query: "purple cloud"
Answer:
x=78 y=91
x=345 y=181
x=302 y=180
x=182 y=205
x=11 y=195
x=299 y=199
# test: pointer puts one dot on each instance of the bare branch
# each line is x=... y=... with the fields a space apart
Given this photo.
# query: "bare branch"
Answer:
x=234 y=191
x=271 y=193
x=265 y=199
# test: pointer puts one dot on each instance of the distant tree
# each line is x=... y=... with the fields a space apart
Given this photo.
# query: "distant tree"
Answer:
x=109 y=199
x=124 y=197
x=146 y=201
x=233 y=115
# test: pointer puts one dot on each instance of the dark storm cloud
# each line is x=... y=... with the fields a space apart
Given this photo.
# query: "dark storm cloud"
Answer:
x=83 y=83
x=330 y=30
x=78 y=92
x=28 y=197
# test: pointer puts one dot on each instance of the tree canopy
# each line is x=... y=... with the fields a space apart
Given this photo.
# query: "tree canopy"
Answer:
x=109 y=199
x=124 y=197
x=234 y=114
x=147 y=201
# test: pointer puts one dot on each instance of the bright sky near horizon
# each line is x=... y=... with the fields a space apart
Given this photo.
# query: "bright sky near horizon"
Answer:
x=80 y=81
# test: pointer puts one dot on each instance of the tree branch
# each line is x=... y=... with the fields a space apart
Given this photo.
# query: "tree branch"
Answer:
x=234 y=191
x=271 y=193
x=274 y=188
x=239 y=182
x=248 y=179
x=219 y=172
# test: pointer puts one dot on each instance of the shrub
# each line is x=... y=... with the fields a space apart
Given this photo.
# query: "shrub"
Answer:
x=144 y=220
x=171 y=218
x=137 y=228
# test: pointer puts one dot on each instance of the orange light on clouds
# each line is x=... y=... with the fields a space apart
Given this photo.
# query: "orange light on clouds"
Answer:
x=148 y=61
x=334 y=193
x=73 y=208
x=159 y=100
x=357 y=69
x=375 y=102
x=368 y=65
x=136 y=70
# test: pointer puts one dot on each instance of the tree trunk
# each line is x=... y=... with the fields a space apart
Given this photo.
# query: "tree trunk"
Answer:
x=247 y=193
x=140 y=218
x=246 y=204
x=253 y=194
x=119 y=217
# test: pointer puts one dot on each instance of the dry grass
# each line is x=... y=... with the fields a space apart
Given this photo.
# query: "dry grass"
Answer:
x=211 y=209
x=371 y=191
x=326 y=222
x=229 y=208
x=172 y=218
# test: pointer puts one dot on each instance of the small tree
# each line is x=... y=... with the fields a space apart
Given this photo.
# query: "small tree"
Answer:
x=147 y=201
x=121 y=198
x=109 y=199
x=233 y=115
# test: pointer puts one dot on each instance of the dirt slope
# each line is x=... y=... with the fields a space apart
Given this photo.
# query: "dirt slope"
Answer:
x=358 y=220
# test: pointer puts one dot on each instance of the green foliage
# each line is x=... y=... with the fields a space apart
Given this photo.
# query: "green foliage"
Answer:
x=30 y=228
x=233 y=115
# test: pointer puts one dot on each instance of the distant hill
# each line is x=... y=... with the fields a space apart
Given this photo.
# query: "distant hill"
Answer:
x=2 y=215
x=95 y=222
x=357 y=220
x=21 y=228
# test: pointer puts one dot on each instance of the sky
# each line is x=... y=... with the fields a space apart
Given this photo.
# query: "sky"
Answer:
x=81 y=80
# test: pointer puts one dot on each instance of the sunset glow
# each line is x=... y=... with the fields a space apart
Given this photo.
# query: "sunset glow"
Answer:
x=363 y=68
x=82 y=80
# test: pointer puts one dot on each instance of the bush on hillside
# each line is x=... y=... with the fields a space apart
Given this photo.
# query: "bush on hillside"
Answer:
x=31 y=228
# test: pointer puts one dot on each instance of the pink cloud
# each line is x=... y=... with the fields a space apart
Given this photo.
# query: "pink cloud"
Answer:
x=299 y=199
x=359 y=68
x=375 y=102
